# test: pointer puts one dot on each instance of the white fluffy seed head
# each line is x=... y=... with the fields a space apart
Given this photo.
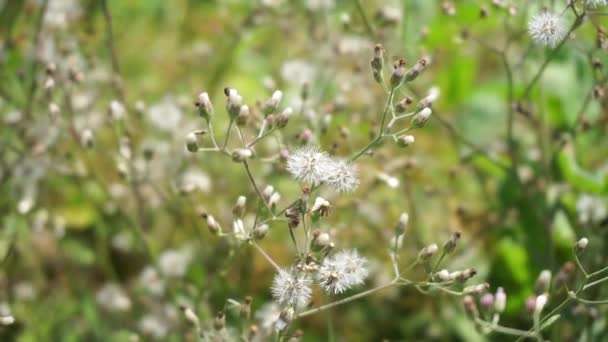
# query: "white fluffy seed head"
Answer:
x=308 y=164
x=341 y=175
x=342 y=271
x=291 y=288
x=547 y=28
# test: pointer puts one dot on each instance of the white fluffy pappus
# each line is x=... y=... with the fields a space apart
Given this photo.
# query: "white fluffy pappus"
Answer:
x=547 y=28
x=342 y=271
x=291 y=288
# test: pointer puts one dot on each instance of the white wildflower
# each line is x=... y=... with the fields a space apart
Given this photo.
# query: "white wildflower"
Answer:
x=342 y=176
x=342 y=271
x=308 y=164
x=297 y=72
x=268 y=315
x=153 y=326
x=547 y=28
x=174 y=263
x=152 y=281
x=165 y=115
x=291 y=288
x=113 y=298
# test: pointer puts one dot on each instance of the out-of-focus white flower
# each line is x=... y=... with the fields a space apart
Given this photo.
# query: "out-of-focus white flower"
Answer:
x=153 y=326
x=297 y=72
x=591 y=209
x=342 y=271
x=165 y=115
x=113 y=298
x=24 y=291
x=291 y=288
x=175 y=263
x=117 y=110
x=341 y=175
x=195 y=180
x=152 y=281
x=547 y=28
x=308 y=164
x=268 y=315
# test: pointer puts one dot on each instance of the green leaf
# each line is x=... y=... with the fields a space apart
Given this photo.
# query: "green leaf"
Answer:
x=576 y=176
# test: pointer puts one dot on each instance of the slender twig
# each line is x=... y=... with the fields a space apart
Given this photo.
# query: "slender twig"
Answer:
x=380 y=135
x=368 y=25
x=112 y=50
x=346 y=300
x=265 y=255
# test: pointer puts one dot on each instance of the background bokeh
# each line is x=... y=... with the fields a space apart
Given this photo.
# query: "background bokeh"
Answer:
x=71 y=222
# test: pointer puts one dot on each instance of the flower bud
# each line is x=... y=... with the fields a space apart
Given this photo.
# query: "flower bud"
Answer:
x=543 y=282
x=205 y=108
x=487 y=301
x=450 y=245
x=243 y=115
x=191 y=316
x=233 y=102
x=422 y=117
x=86 y=138
x=402 y=224
x=398 y=74
x=402 y=106
x=432 y=96
x=238 y=210
x=469 y=307
x=245 y=309
x=541 y=301
x=581 y=245
x=377 y=62
x=7 y=320
x=406 y=140
x=212 y=224
x=320 y=207
x=49 y=84
x=427 y=252
x=274 y=199
x=273 y=103
x=260 y=231
x=241 y=154
x=192 y=142
x=443 y=275
x=463 y=276
x=117 y=110
x=321 y=239
x=283 y=118
x=220 y=321
x=500 y=300
x=477 y=289
x=415 y=71
x=531 y=304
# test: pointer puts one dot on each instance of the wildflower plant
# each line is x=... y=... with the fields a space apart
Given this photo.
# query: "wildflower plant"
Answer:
x=425 y=153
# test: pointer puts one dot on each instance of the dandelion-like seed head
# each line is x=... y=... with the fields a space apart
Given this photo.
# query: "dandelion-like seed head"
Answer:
x=342 y=271
x=291 y=288
x=547 y=28
x=308 y=164
x=342 y=176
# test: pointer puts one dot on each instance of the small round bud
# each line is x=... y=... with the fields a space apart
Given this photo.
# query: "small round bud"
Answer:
x=321 y=239
x=543 y=282
x=581 y=245
x=243 y=115
x=190 y=316
x=117 y=110
x=402 y=106
x=220 y=321
x=541 y=301
x=192 y=142
x=500 y=300
x=427 y=252
x=443 y=275
x=404 y=218
x=415 y=71
x=260 y=231
x=233 y=102
x=487 y=301
x=398 y=74
x=205 y=108
x=7 y=320
x=406 y=140
x=450 y=245
x=212 y=224
x=422 y=117
x=241 y=154
x=273 y=103
x=469 y=307
x=239 y=207
x=86 y=138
